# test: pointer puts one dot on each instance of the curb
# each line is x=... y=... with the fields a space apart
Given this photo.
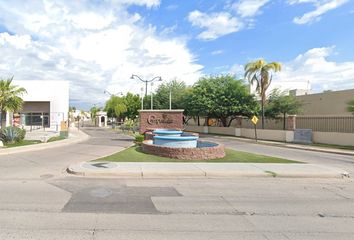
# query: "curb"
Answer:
x=42 y=146
x=190 y=170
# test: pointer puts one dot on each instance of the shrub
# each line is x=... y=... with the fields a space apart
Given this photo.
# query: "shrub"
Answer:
x=130 y=125
x=139 y=138
x=12 y=134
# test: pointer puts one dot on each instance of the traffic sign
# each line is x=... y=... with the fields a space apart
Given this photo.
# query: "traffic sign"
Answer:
x=254 y=120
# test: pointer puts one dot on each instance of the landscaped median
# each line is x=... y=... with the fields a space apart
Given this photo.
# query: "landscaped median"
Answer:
x=133 y=163
x=135 y=154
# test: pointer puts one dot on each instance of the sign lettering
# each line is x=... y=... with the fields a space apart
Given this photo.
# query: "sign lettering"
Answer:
x=154 y=120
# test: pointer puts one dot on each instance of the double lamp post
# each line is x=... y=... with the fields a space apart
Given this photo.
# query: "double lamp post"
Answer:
x=159 y=79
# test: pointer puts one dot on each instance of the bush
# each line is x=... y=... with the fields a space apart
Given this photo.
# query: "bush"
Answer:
x=12 y=134
x=130 y=125
x=139 y=138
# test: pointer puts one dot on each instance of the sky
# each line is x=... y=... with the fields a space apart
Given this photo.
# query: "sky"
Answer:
x=98 y=44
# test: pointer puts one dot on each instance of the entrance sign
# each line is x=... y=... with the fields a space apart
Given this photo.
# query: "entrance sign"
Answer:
x=154 y=119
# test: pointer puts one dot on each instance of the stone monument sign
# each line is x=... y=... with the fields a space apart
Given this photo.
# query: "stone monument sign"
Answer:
x=153 y=119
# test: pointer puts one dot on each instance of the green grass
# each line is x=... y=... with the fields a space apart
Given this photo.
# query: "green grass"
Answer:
x=56 y=138
x=134 y=154
x=22 y=143
x=332 y=146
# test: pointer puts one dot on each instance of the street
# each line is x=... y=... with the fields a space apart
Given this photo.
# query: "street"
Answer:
x=39 y=200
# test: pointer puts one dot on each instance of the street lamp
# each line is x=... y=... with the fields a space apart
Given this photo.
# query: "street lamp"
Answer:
x=146 y=81
x=115 y=94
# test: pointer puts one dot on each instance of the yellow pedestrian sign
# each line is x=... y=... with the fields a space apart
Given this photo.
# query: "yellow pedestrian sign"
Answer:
x=254 y=120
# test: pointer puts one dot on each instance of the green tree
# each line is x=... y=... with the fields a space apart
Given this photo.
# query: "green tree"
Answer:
x=72 y=109
x=10 y=98
x=222 y=97
x=115 y=107
x=133 y=104
x=162 y=95
x=93 y=111
x=281 y=104
x=350 y=107
x=260 y=73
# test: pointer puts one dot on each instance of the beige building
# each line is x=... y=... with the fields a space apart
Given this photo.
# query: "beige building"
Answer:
x=328 y=103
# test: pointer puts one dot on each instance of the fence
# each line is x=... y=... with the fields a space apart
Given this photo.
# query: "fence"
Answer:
x=272 y=124
x=343 y=124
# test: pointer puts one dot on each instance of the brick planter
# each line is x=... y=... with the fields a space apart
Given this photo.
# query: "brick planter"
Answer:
x=202 y=153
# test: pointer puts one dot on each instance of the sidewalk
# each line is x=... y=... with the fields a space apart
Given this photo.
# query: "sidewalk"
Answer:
x=203 y=170
x=287 y=145
x=75 y=136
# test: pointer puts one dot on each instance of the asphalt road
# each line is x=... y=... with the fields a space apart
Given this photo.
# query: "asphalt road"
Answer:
x=39 y=201
x=344 y=162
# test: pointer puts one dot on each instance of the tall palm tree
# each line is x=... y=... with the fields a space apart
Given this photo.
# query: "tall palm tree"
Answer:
x=93 y=111
x=10 y=98
x=260 y=73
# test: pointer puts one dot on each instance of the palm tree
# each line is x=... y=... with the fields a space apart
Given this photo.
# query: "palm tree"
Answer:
x=94 y=110
x=261 y=73
x=10 y=98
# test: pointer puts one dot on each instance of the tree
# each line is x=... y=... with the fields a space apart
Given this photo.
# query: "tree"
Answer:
x=260 y=73
x=162 y=95
x=133 y=104
x=93 y=111
x=115 y=107
x=72 y=109
x=350 y=107
x=279 y=103
x=222 y=97
x=10 y=98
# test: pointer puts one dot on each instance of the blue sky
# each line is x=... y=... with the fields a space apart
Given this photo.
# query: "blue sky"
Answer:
x=97 y=45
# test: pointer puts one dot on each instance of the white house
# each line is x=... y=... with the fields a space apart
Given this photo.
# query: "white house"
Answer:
x=46 y=104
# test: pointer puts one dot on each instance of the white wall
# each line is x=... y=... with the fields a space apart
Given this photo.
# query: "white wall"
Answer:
x=56 y=92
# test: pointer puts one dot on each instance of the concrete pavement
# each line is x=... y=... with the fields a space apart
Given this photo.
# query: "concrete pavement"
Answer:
x=225 y=209
x=202 y=170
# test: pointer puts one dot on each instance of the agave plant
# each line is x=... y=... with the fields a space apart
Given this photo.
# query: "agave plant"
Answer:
x=12 y=134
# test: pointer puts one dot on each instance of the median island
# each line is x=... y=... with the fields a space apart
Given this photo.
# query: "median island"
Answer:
x=135 y=154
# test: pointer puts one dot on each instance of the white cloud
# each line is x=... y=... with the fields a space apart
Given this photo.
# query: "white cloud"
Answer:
x=314 y=67
x=215 y=24
x=19 y=42
x=321 y=7
x=249 y=8
x=310 y=70
x=91 y=20
x=237 y=70
x=94 y=50
x=217 y=52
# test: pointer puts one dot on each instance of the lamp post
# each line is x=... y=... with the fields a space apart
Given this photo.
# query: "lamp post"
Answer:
x=115 y=94
x=142 y=98
x=146 y=81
